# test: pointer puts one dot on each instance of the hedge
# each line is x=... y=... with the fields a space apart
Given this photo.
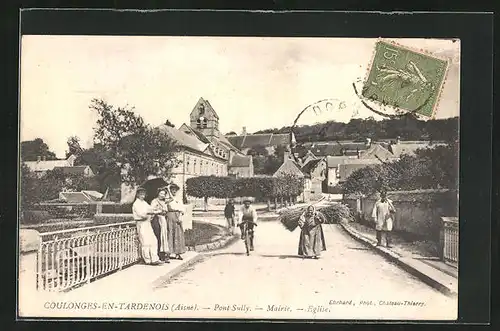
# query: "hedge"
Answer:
x=230 y=187
x=117 y=208
x=101 y=219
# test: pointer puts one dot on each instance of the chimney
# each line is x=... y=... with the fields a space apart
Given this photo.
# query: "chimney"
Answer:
x=286 y=155
x=398 y=140
x=368 y=142
x=244 y=131
x=38 y=158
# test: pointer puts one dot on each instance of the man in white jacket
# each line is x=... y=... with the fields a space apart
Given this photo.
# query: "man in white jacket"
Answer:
x=382 y=214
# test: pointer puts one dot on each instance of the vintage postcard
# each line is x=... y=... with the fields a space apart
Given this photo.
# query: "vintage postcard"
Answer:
x=239 y=178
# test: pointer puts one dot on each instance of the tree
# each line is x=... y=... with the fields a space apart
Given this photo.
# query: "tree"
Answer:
x=433 y=168
x=258 y=150
x=32 y=149
x=167 y=122
x=28 y=188
x=135 y=149
x=272 y=164
x=74 y=147
x=107 y=174
x=210 y=187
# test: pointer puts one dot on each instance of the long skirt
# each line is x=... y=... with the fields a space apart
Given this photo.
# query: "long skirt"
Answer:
x=176 y=241
x=147 y=239
x=312 y=241
x=160 y=230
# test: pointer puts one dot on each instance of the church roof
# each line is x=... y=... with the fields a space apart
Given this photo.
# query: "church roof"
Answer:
x=207 y=105
x=183 y=139
x=259 y=139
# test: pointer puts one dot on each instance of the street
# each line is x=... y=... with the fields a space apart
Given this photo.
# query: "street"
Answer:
x=348 y=281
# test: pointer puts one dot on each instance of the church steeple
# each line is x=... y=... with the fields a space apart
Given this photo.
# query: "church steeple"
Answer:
x=204 y=118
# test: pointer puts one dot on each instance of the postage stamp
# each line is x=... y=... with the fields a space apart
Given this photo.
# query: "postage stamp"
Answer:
x=406 y=79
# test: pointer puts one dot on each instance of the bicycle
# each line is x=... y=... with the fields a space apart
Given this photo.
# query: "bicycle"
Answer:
x=248 y=234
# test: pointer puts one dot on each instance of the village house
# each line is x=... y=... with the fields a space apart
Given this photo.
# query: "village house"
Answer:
x=316 y=171
x=41 y=165
x=339 y=168
x=399 y=147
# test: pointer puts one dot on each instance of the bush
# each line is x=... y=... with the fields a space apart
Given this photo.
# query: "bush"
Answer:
x=69 y=210
x=336 y=213
x=435 y=168
x=112 y=218
x=117 y=208
x=34 y=216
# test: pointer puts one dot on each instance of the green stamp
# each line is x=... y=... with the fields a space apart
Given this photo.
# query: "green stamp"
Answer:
x=405 y=79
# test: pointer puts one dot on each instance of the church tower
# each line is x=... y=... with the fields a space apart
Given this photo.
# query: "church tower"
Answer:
x=204 y=119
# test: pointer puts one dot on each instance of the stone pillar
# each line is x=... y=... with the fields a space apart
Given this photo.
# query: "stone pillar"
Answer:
x=29 y=243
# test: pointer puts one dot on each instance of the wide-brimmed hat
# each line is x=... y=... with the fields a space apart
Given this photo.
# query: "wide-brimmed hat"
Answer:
x=247 y=200
x=140 y=190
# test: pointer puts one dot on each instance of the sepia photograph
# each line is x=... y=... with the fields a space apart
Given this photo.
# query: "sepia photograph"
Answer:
x=255 y=178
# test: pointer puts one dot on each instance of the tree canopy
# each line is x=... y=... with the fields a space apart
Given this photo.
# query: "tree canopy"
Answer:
x=407 y=128
x=74 y=147
x=434 y=168
x=133 y=147
x=32 y=149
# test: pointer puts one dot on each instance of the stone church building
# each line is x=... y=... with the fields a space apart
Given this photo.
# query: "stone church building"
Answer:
x=204 y=150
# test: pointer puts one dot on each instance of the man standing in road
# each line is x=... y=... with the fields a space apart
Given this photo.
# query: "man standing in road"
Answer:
x=382 y=214
x=229 y=215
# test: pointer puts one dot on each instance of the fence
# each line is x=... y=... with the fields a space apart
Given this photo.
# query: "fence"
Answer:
x=72 y=257
x=451 y=236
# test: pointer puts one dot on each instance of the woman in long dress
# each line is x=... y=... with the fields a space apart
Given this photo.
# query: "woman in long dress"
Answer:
x=143 y=213
x=160 y=204
x=176 y=241
x=312 y=239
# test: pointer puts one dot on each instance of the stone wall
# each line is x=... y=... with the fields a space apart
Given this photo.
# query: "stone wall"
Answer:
x=417 y=212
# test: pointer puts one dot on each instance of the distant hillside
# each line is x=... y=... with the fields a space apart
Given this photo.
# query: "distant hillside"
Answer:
x=359 y=129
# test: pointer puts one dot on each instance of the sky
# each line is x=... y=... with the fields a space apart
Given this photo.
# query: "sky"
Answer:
x=251 y=82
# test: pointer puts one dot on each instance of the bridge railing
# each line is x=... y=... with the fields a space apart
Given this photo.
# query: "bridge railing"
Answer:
x=451 y=240
x=69 y=258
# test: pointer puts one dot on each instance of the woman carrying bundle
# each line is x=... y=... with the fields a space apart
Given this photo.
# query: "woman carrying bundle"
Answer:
x=312 y=239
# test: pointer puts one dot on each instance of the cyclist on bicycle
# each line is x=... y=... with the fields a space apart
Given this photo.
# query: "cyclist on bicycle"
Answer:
x=248 y=215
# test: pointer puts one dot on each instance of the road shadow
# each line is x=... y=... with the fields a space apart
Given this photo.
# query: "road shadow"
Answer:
x=280 y=256
x=359 y=248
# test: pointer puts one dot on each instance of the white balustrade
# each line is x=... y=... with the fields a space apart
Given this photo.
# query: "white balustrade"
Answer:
x=72 y=257
x=451 y=240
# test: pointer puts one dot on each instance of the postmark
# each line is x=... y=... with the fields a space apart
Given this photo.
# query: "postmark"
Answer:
x=406 y=80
